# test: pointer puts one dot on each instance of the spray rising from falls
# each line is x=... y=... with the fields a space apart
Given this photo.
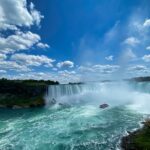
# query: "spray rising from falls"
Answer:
x=134 y=95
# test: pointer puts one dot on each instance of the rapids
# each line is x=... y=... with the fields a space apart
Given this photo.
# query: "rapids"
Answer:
x=82 y=125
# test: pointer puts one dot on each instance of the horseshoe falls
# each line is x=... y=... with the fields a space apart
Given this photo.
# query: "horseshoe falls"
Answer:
x=75 y=121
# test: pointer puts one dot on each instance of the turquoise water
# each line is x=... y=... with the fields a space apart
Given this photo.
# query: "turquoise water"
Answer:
x=79 y=126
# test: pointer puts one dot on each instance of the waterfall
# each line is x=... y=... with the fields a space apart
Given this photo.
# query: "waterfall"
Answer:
x=141 y=86
x=70 y=91
x=112 y=93
x=58 y=91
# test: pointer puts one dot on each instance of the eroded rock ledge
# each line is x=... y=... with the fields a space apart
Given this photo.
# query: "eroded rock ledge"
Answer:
x=139 y=139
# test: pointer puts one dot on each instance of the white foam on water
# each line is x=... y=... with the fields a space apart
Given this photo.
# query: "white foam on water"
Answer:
x=83 y=124
x=113 y=93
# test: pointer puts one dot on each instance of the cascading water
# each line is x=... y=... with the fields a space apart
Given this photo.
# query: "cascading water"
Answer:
x=113 y=93
x=83 y=125
x=57 y=91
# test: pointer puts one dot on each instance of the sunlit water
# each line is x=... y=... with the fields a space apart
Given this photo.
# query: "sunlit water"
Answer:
x=80 y=124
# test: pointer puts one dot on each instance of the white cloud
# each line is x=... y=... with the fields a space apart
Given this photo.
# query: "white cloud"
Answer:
x=97 y=72
x=34 y=75
x=4 y=26
x=3 y=56
x=3 y=71
x=66 y=72
x=11 y=65
x=42 y=45
x=146 y=58
x=67 y=64
x=147 y=23
x=32 y=60
x=148 y=48
x=132 y=41
x=35 y=14
x=66 y=76
x=104 y=69
x=14 y=13
x=22 y=62
x=85 y=69
x=137 y=68
x=18 y=41
x=63 y=77
x=109 y=58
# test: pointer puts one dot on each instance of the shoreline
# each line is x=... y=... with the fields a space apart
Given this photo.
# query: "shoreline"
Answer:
x=138 y=139
x=25 y=103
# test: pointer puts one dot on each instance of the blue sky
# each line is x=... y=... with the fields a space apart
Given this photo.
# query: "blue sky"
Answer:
x=82 y=40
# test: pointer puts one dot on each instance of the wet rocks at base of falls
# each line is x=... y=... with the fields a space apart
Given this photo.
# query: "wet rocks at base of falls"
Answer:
x=53 y=102
x=62 y=105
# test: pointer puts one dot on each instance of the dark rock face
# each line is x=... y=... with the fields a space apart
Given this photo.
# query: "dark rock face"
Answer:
x=137 y=140
x=53 y=102
x=128 y=143
x=64 y=105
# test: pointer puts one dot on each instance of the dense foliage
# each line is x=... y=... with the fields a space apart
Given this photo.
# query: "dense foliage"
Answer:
x=23 y=93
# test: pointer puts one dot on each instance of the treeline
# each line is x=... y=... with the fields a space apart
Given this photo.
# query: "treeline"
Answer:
x=29 y=82
x=23 y=93
x=24 y=87
x=75 y=83
x=141 y=79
